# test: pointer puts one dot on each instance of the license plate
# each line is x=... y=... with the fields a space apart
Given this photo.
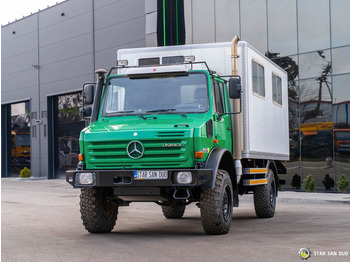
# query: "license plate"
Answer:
x=150 y=175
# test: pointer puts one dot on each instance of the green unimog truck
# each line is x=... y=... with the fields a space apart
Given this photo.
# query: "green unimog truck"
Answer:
x=179 y=125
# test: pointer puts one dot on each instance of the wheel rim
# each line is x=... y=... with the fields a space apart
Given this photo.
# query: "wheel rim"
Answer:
x=108 y=210
x=227 y=204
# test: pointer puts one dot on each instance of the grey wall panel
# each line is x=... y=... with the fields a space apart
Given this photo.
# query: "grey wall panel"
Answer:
x=71 y=9
x=35 y=164
x=118 y=24
x=18 y=53
x=227 y=20
x=19 y=81
x=188 y=21
x=66 y=69
x=67 y=29
x=19 y=63
x=108 y=57
x=254 y=24
x=150 y=6
x=20 y=94
x=119 y=12
x=66 y=49
x=22 y=41
x=63 y=87
x=151 y=40
x=104 y=3
x=19 y=45
x=203 y=22
x=120 y=34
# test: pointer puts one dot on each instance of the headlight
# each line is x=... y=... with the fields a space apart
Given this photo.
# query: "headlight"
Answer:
x=85 y=178
x=183 y=178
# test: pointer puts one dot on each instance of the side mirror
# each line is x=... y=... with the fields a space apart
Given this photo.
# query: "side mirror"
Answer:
x=88 y=94
x=235 y=88
x=85 y=112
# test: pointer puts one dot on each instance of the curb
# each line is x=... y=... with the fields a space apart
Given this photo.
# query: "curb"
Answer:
x=310 y=198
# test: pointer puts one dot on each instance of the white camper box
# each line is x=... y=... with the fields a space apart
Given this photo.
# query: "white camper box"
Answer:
x=264 y=122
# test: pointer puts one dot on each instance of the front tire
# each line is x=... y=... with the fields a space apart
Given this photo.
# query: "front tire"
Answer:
x=98 y=211
x=216 y=205
x=265 y=198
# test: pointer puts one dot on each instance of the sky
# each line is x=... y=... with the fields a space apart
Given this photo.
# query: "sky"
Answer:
x=16 y=9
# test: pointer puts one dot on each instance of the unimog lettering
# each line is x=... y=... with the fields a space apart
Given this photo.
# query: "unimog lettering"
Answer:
x=173 y=145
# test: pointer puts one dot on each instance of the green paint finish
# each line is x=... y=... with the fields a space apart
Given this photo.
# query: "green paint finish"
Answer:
x=164 y=28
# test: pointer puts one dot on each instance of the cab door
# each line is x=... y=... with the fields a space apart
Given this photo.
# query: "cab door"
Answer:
x=222 y=121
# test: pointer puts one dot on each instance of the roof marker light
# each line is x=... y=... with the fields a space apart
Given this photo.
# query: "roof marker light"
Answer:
x=122 y=62
x=190 y=58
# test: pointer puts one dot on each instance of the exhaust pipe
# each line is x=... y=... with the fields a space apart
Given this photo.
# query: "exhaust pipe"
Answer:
x=237 y=122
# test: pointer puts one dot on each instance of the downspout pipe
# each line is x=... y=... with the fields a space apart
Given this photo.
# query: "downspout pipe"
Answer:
x=237 y=118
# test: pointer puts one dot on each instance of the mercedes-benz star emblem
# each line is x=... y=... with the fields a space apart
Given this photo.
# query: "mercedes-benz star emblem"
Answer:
x=135 y=149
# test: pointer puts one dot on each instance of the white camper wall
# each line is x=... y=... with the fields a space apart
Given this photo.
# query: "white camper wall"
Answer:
x=265 y=122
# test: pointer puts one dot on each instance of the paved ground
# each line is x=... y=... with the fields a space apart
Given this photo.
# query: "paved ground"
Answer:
x=41 y=222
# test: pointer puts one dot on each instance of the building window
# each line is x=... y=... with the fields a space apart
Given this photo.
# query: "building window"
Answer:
x=276 y=89
x=258 y=79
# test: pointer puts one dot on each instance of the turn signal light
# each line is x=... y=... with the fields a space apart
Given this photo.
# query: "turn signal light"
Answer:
x=199 y=154
x=81 y=158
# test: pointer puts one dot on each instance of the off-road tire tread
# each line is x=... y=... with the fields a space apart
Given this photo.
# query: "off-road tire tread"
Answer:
x=262 y=205
x=211 y=213
x=176 y=211
x=90 y=205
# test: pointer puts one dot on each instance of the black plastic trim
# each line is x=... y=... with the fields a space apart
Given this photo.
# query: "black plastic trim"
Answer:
x=107 y=178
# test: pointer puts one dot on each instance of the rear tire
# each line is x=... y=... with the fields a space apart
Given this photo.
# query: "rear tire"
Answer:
x=98 y=211
x=175 y=211
x=216 y=205
x=265 y=198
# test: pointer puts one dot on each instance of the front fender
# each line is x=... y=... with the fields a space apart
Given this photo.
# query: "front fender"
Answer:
x=220 y=158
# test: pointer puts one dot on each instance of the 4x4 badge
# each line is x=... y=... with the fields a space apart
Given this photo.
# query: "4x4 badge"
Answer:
x=135 y=149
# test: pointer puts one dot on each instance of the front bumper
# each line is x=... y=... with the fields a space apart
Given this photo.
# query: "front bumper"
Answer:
x=125 y=178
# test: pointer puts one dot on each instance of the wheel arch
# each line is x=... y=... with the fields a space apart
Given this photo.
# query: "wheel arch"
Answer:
x=221 y=158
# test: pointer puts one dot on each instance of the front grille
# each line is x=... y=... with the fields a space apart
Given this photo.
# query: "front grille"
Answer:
x=113 y=154
x=171 y=134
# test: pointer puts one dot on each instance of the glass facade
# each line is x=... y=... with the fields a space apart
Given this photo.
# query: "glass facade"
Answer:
x=67 y=125
x=310 y=39
x=19 y=143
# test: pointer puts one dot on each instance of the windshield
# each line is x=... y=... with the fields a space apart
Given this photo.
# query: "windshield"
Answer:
x=166 y=94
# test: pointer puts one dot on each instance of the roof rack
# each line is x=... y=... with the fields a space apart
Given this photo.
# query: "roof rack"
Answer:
x=160 y=65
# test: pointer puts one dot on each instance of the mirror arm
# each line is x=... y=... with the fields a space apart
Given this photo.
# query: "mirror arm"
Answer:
x=234 y=113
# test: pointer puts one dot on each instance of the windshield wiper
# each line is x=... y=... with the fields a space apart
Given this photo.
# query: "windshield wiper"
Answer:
x=165 y=110
x=147 y=117
x=161 y=110
x=125 y=111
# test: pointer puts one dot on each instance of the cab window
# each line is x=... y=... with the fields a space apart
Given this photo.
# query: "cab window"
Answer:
x=219 y=97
